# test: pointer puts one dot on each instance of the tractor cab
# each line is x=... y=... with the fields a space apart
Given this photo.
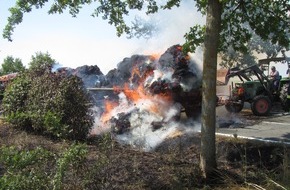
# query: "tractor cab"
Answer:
x=265 y=65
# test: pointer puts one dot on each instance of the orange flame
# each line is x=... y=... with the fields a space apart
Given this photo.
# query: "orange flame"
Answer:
x=154 y=56
x=109 y=106
x=135 y=71
x=135 y=95
x=156 y=106
x=141 y=94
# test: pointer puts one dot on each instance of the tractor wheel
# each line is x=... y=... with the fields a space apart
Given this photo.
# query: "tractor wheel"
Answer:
x=234 y=108
x=283 y=97
x=261 y=105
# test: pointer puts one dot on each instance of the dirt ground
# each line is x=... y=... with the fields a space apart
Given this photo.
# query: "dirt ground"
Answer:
x=173 y=165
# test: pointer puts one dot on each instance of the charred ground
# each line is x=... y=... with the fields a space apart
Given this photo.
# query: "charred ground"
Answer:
x=173 y=164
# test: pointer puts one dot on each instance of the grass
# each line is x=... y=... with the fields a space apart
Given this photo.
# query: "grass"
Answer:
x=102 y=163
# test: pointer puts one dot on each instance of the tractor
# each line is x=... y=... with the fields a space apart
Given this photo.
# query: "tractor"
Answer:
x=256 y=88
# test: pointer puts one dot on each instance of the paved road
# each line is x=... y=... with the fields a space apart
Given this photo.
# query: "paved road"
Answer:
x=274 y=128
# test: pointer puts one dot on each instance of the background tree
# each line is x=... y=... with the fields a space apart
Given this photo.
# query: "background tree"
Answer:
x=225 y=28
x=41 y=63
x=256 y=47
x=11 y=65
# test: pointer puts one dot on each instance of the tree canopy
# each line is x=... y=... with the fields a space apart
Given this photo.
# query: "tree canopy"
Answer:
x=11 y=65
x=41 y=61
x=256 y=45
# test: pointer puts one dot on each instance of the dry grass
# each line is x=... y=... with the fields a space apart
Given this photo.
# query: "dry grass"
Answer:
x=173 y=165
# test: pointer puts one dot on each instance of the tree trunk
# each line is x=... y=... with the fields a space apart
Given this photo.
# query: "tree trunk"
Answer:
x=208 y=119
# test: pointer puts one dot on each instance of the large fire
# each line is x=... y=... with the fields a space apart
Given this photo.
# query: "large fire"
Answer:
x=154 y=103
x=149 y=94
x=141 y=100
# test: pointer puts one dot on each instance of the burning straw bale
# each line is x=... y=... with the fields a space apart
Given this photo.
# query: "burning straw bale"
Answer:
x=121 y=123
x=125 y=70
x=145 y=85
x=155 y=86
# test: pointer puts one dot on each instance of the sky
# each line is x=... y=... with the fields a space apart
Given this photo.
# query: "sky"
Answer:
x=86 y=40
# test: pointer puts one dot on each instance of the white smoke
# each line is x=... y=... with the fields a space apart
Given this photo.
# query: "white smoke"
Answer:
x=143 y=137
x=172 y=25
x=98 y=127
x=141 y=133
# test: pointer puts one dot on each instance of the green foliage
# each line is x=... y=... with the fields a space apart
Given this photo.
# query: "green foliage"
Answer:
x=267 y=19
x=16 y=94
x=231 y=58
x=11 y=65
x=141 y=28
x=52 y=123
x=73 y=156
x=48 y=102
x=73 y=6
x=250 y=29
x=24 y=169
x=20 y=119
x=15 y=159
x=60 y=101
x=41 y=63
x=194 y=37
x=234 y=58
x=114 y=11
x=171 y=3
x=201 y=6
x=16 y=17
x=39 y=168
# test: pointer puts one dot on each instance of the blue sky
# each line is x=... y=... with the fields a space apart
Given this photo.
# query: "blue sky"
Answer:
x=86 y=40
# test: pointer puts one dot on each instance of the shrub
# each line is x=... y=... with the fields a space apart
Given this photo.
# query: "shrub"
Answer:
x=14 y=101
x=60 y=106
x=24 y=169
x=69 y=161
x=39 y=168
x=50 y=103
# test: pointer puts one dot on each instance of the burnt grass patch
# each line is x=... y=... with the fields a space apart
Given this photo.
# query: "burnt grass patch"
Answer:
x=174 y=164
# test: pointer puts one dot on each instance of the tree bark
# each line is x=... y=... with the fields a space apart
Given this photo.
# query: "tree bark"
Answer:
x=208 y=116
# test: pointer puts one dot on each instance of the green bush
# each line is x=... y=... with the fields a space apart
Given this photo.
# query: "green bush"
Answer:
x=60 y=106
x=71 y=158
x=50 y=103
x=14 y=101
x=40 y=168
x=15 y=95
x=24 y=169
